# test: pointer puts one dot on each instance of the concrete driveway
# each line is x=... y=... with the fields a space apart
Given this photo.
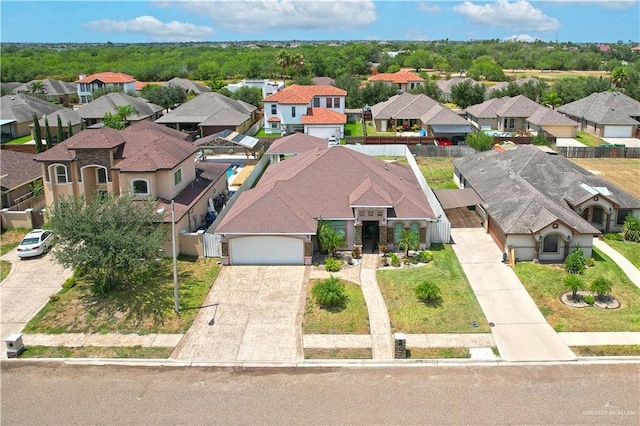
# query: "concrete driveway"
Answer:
x=253 y=313
x=628 y=142
x=568 y=142
x=520 y=331
x=26 y=290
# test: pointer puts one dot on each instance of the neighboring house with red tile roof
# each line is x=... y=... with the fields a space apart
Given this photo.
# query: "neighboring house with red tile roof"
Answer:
x=17 y=172
x=365 y=199
x=145 y=159
x=519 y=113
x=316 y=110
x=402 y=80
x=86 y=85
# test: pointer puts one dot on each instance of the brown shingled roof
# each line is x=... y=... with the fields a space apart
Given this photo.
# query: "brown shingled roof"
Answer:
x=17 y=168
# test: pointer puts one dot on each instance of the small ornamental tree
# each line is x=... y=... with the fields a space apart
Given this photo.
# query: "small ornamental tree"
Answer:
x=601 y=286
x=575 y=284
x=329 y=293
x=330 y=239
x=408 y=241
x=47 y=134
x=427 y=291
x=575 y=262
x=69 y=129
x=112 y=239
x=60 y=135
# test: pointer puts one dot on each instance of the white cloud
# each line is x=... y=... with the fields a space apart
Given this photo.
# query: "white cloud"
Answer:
x=153 y=28
x=521 y=37
x=257 y=15
x=428 y=7
x=519 y=14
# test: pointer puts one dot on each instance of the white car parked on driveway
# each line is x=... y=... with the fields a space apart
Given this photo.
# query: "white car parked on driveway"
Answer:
x=35 y=243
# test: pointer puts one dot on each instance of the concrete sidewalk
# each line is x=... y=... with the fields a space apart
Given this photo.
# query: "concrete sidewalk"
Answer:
x=627 y=267
x=520 y=330
x=379 y=326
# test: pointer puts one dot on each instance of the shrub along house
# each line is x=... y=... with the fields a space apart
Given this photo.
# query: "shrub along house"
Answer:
x=145 y=159
x=541 y=205
x=367 y=200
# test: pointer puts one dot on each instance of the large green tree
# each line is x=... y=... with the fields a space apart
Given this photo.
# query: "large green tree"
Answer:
x=467 y=93
x=165 y=96
x=112 y=240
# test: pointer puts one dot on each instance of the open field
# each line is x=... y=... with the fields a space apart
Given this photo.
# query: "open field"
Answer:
x=622 y=172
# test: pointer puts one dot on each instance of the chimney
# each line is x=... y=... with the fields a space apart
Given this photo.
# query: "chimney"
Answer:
x=82 y=76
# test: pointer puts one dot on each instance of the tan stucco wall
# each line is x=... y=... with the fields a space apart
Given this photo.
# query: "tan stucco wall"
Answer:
x=561 y=131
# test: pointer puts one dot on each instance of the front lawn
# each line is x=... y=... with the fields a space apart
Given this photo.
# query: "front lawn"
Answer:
x=458 y=309
x=353 y=318
x=588 y=139
x=95 y=352
x=628 y=249
x=20 y=140
x=141 y=309
x=338 y=353
x=545 y=284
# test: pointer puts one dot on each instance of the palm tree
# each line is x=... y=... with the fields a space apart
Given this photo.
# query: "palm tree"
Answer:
x=283 y=59
x=408 y=241
x=36 y=87
x=619 y=76
x=125 y=111
x=330 y=239
x=297 y=62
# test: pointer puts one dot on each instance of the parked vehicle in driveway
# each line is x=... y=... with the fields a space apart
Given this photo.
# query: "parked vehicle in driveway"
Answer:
x=35 y=243
x=458 y=140
x=443 y=142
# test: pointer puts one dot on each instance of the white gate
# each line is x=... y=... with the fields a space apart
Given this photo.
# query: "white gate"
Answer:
x=212 y=245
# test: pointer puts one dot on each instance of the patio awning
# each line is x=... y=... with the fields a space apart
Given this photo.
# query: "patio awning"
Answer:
x=230 y=136
x=451 y=128
x=9 y=121
x=454 y=198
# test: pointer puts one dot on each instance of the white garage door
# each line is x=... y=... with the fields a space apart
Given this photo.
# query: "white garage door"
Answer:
x=323 y=132
x=268 y=250
x=617 y=131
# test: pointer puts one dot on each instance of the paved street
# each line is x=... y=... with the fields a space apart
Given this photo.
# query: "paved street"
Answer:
x=253 y=313
x=521 y=331
x=27 y=290
x=56 y=394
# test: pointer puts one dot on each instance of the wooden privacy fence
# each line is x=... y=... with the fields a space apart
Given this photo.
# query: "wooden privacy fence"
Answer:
x=441 y=151
x=598 y=152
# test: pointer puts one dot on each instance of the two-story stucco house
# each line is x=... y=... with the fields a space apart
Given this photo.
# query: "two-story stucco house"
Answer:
x=315 y=110
x=86 y=85
x=145 y=159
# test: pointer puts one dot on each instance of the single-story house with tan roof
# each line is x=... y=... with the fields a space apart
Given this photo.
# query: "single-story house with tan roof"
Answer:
x=93 y=113
x=367 y=200
x=606 y=114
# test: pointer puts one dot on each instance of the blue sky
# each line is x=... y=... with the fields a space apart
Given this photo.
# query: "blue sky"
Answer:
x=239 y=20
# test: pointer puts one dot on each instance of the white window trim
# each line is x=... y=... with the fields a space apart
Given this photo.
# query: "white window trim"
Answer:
x=179 y=169
x=133 y=192
x=53 y=173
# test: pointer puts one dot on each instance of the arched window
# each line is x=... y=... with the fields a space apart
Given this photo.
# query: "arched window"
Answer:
x=415 y=228
x=397 y=232
x=551 y=244
x=61 y=173
x=101 y=175
x=140 y=187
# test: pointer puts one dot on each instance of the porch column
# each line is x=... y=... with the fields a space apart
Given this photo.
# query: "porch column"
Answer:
x=536 y=253
x=358 y=240
x=608 y=220
x=382 y=235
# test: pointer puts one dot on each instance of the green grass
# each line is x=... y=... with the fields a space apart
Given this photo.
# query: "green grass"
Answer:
x=5 y=268
x=338 y=353
x=607 y=350
x=11 y=238
x=433 y=353
x=353 y=129
x=95 y=352
x=371 y=131
x=628 y=249
x=20 y=140
x=438 y=172
x=142 y=309
x=588 y=139
x=545 y=284
x=458 y=309
x=353 y=318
